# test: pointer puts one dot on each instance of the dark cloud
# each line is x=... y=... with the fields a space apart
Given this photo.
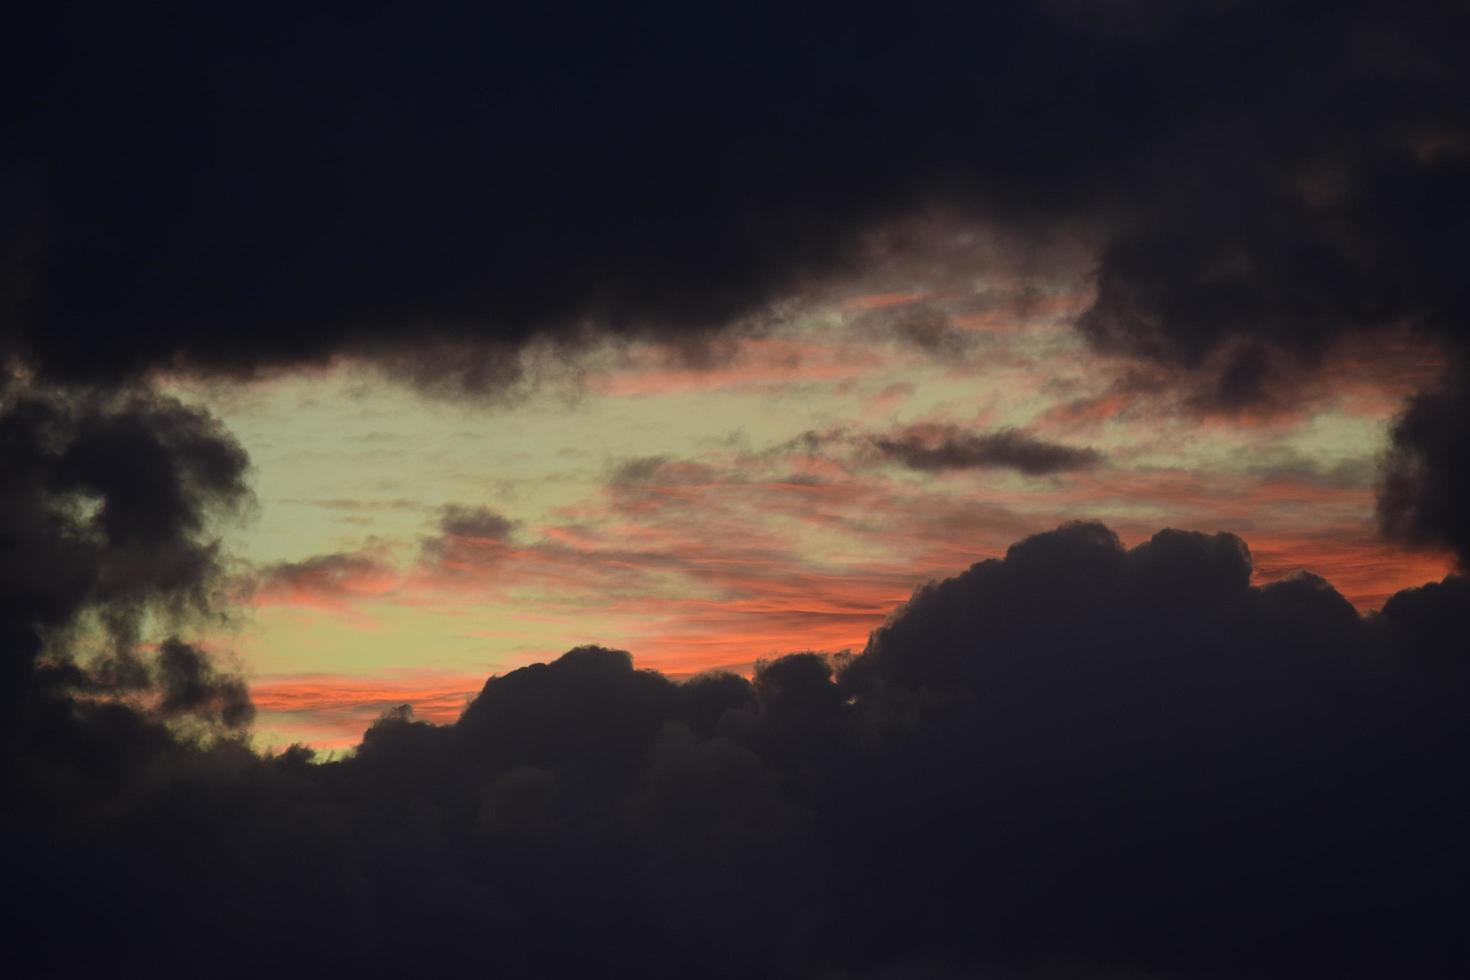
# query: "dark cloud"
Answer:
x=636 y=471
x=1426 y=479
x=1142 y=752
x=921 y=324
x=106 y=508
x=1262 y=180
x=480 y=523
x=933 y=448
x=229 y=194
x=1080 y=759
x=647 y=471
x=108 y=505
x=190 y=684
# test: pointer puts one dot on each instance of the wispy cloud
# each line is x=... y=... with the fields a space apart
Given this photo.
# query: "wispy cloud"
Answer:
x=947 y=447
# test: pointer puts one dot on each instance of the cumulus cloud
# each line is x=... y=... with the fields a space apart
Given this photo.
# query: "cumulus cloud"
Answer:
x=1131 y=760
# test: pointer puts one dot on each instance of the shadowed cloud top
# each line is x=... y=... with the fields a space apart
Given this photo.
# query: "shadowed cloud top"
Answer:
x=1117 y=758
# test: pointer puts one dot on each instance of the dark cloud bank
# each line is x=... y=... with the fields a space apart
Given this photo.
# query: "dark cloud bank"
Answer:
x=192 y=187
x=1079 y=760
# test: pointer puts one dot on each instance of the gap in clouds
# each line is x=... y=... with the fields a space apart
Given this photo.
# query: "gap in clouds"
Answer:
x=703 y=543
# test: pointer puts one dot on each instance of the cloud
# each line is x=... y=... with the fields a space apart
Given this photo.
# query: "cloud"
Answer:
x=108 y=505
x=918 y=323
x=1259 y=183
x=479 y=523
x=937 y=448
x=1426 y=480
x=1127 y=759
x=190 y=685
x=330 y=581
x=438 y=220
x=640 y=470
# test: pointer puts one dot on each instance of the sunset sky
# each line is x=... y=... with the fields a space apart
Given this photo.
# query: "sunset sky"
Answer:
x=971 y=491
x=710 y=510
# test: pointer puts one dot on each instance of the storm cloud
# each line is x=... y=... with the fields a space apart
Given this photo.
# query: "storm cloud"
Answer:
x=1276 y=171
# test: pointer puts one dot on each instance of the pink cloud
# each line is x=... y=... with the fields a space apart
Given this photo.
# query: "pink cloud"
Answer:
x=326 y=582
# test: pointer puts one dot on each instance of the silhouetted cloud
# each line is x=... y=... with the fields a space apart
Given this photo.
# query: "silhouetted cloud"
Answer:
x=1271 y=172
x=1425 y=496
x=1262 y=180
x=190 y=684
x=108 y=505
x=1128 y=760
x=948 y=447
x=480 y=523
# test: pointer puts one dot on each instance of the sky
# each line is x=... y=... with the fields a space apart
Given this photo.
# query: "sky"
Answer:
x=951 y=491
x=402 y=546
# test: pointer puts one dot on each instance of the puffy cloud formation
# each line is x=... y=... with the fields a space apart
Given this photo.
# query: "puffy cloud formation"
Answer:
x=1079 y=759
x=107 y=504
x=106 y=509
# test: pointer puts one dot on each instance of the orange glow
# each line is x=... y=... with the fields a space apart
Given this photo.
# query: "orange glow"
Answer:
x=879 y=301
x=336 y=708
x=1364 y=570
x=751 y=363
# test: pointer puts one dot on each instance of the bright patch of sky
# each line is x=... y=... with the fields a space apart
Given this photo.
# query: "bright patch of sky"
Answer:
x=707 y=510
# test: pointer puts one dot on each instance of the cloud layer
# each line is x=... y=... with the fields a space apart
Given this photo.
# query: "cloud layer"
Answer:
x=1261 y=180
x=1125 y=760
